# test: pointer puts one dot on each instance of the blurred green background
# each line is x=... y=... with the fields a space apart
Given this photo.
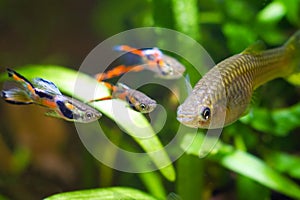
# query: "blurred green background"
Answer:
x=37 y=161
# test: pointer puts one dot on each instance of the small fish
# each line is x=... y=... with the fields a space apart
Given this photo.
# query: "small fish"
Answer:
x=137 y=100
x=224 y=93
x=153 y=59
x=45 y=93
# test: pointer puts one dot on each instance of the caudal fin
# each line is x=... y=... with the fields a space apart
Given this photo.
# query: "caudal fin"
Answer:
x=16 y=96
x=18 y=77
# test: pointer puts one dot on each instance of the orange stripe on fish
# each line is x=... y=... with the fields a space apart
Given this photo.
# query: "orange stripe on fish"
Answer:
x=48 y=103
x=18 y=77
x=118 y=71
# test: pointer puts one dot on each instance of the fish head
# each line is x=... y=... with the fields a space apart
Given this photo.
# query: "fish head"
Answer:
x=198 y=111
x=141 y=102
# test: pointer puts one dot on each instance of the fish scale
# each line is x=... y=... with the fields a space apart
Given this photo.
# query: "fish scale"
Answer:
x=226 y=90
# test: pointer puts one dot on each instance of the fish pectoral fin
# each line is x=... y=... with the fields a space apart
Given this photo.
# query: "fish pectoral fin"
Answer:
x=255 y=48
x=16 y=96
x=52 y=113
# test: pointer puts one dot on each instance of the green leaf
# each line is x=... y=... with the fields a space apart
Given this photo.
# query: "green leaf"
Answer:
x=190 y=180
x=292 y=9
x=245 y=164
x=272 y=13
x=154 y=184
x=186 y=17
x=285 y=163
x=248 y=189
x=238 y=36
x=67 y=79
x=113 y=193
x=278 y=122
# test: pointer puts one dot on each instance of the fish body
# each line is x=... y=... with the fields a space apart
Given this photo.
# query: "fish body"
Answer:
x=224 y=93
x=137 y=100
x=45 y=93
x=73 y=110
x=153 y=59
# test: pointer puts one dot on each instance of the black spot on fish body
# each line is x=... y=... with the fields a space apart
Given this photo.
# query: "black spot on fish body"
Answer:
x=131 y=104
x=64 y=110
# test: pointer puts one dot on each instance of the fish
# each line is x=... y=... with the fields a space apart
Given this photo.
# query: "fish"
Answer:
x=137 y=100
x=45 y=93
x=224 y=93
x=153 y=59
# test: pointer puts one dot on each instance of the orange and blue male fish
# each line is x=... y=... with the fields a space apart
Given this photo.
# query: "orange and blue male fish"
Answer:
x=137 y=100
x=153 y=59
x=45 y=93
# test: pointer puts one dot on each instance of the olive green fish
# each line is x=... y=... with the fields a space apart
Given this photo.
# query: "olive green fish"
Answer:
x=224 y=93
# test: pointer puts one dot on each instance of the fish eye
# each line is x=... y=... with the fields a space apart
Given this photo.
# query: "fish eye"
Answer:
x=205 y=113
x=89 y=115
x=171 y=71
x=143 y=106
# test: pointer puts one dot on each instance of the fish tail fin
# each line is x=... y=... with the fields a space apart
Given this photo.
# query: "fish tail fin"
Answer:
x=16 y=96
x=18 y=77
x=293 y=47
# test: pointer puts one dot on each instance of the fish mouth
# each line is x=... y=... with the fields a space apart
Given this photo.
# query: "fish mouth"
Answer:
x=187 y=120
x=152 y=107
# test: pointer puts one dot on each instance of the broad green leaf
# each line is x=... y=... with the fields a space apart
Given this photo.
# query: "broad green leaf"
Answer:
x=285 y=163
x=113 y=193
x=247 y=189
x=279 y=122
x=292 y=11
x=154 y=184
x=190 y=179
x=238 y=36
x=67 y=79
x=272 y=13
x=245 y=164
x=186 y=17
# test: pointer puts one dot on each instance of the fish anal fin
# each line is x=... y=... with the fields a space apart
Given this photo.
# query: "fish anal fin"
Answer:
x=52 y=113
x=100 y=99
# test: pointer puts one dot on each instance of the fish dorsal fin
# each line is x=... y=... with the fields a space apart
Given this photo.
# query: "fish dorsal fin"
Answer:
x=255 y=48
x=188 y=84
x=123 y=86
x=46 y=86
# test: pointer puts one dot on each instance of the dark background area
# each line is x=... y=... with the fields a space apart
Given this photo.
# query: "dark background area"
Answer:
x=40 y=156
